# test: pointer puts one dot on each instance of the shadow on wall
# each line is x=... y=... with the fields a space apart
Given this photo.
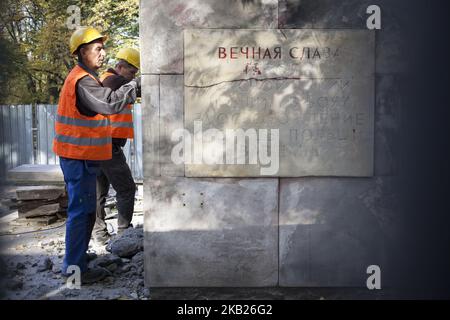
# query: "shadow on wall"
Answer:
x=228 y=232
x=345 y=14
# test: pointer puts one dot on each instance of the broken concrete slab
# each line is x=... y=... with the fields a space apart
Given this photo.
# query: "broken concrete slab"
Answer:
x=162 y=24
x=28 y=205
x=36 y=221
x=332 y=229
x=40 y=192
x=43 y=210
x=210 y=232
x=127 y=243
x=36 y=173
x=125 y=247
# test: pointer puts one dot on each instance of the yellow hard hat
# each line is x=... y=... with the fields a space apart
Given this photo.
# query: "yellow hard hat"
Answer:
x=130 y=55
x=84 y=35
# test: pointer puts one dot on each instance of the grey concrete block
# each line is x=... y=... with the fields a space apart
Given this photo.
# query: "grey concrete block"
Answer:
x=171 y=119
x=150 y=125
x=211 y=232
x=162 y=114
x=387 y=124
x=40 y=192
x=331 y=230
x=36 y=173
x=44 y=210
x=162 y=23
x=352 y=14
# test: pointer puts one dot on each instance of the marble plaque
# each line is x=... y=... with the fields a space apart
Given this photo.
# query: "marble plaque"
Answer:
x=301 y=101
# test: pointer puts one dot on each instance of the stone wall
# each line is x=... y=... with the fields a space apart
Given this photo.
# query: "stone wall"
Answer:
x=317 y=229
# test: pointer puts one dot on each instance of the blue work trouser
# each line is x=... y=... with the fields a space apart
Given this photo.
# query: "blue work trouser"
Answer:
x=80 y=177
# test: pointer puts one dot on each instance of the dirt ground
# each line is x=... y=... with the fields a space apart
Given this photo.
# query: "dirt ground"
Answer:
x=31 y=260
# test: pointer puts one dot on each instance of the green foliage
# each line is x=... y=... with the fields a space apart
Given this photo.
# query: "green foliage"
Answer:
x=34 y=43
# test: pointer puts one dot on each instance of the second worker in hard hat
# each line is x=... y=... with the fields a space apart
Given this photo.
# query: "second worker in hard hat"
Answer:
x=116 y=171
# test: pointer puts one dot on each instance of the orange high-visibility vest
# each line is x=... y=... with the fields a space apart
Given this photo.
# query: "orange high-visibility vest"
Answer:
x=78 y=136
x=122 y=122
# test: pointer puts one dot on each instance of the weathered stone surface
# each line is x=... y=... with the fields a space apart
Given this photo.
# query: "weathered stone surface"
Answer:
x=343 y=54
x=36 y=221
x=163 y=113
x=28 y=205
x=331 y=229
x=162 y=24
x=150 y=127
x=39 y=192
x=208 y=232
x=322 y=106
x=211 y=232
x=36 y=173
x=351 y=14
x=171 y=119
x=387 y=124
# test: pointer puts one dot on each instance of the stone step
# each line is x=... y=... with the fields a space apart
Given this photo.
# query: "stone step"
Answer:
x=45 y=210
x=37 y=221
x=29 y=205
x=39 y=192
x=36 y=174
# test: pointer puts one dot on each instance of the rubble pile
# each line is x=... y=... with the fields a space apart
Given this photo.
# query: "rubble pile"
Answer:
x=34 y=272
x=40 y=205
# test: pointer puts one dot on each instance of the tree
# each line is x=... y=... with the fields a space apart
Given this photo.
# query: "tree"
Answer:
x=34 y=43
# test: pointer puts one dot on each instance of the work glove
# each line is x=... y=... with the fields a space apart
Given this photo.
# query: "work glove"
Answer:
x=138 y=81
x=138 y=86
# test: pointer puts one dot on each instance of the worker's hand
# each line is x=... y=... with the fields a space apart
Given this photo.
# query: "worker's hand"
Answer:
x=138 y=82
x=138 y=87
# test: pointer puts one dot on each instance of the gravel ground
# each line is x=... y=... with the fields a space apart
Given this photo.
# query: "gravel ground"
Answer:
x=31 y=259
